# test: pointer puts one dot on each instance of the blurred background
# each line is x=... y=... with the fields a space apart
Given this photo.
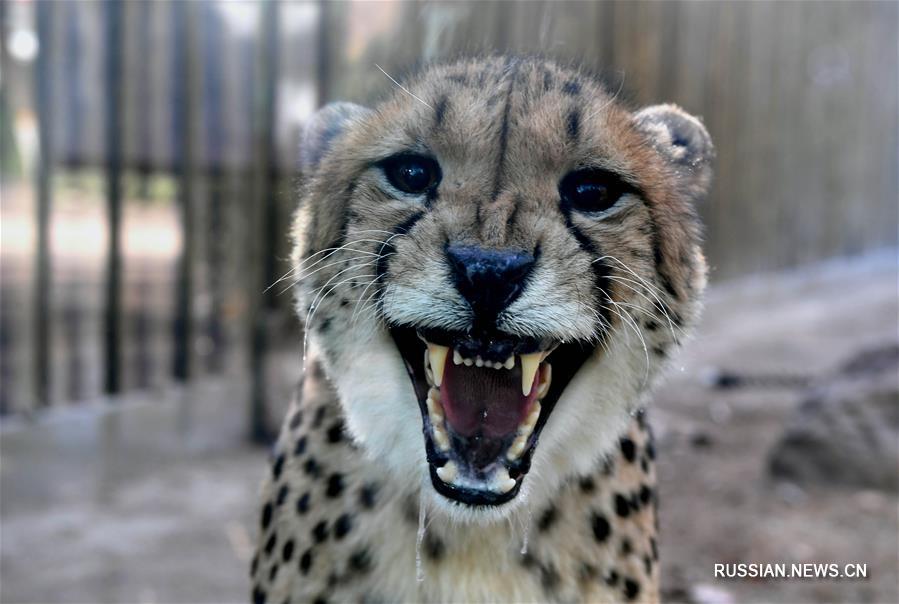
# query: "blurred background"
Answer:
x=148 y=178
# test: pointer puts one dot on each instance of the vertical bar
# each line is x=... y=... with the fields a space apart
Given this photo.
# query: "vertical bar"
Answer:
x=114 y=97
x=184 y=116
x=264 y=215
x=42 y=318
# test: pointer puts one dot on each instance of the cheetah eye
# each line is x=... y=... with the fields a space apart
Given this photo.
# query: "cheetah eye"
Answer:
x=413 y=174
x=591 y=190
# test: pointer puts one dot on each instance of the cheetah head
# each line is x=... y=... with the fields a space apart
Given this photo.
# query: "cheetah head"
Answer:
x=495 y=264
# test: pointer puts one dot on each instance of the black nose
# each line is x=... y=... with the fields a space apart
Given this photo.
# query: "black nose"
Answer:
x=489 y=279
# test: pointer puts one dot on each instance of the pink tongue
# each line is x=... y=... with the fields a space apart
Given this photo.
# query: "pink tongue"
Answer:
x=484 y=399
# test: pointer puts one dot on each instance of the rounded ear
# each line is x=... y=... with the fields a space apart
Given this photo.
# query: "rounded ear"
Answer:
x=323 y=128
x=683 y=141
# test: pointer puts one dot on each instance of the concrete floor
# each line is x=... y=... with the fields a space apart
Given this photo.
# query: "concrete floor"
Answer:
x=152 y=499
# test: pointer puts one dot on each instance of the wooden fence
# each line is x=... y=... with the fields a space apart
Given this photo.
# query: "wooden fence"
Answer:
x=194 y=109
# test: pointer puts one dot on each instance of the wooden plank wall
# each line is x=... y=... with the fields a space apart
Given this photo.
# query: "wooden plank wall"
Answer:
x=800 y=97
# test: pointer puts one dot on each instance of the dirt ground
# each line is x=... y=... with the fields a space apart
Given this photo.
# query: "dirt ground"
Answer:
x=154 y=501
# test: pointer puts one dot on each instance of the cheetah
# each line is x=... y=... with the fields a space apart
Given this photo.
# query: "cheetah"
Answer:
x=492 y=266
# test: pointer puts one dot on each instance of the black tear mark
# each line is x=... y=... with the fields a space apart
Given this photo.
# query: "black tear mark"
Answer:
x=388 y=249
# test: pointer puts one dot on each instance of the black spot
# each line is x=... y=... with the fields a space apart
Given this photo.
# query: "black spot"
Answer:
x=574 y=125
x=651 y=450
x=549 y=577
x=587 y=572
x=320 y=600
x=254 y=564
x=572 y=87
x=612 y=578
x=278 y=466
x=622 y=506
x=601 y=527
x=547 y=81
x=325 y=326
x=273 y=572
x=306 y=561
x=335 y=432
x=547 y=519
x=626 y=547
x=335 y=485
x=344 y=302
x=319 y=417
x=300 y=447
x=628 y=449
x=647 y=564
x=587 y=484
x=644 y=464
x=440 y=110
x=645 y=494
x=360 y=561
x=333 y=579
x=342 y=526
x=434 y=547
x=266 y=515
x=320 y=531
x=282 y=495
x=527 y=560
x=654 y=546
x=659 y=351
x=312 y=468
x=287 y=550
x=631 y=589
x=368 y=496
x=652 y=325
x=258 y=595
x=634 y=501
x=296 y=420
x=271 y=543
x=608 y=467
x=303 y=504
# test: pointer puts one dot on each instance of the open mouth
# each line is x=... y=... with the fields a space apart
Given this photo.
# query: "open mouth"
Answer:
x=484 y=400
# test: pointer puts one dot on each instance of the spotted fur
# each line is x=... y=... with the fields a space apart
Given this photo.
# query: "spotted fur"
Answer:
x=341 y=507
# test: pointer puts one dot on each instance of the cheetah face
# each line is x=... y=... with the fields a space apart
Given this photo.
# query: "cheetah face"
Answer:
x=496 y=262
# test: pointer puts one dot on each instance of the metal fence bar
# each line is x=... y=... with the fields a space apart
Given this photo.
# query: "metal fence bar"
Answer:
x=264 y=216
x=42 y=268
x=184 y=114
x=112 y=342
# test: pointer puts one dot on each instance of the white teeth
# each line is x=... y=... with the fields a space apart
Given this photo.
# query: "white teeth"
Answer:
x=438 y=361
x=468 y=362
x=441 y=439
x=435 y=409
x=478 y=362
x=502 y=482
x=517 y=447
x=448 y=472
x=457 y=358
x=529 y=365
x=528 y=426
x=546 y=379
x=510 y=362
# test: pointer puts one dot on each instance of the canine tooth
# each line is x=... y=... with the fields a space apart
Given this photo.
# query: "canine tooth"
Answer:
x=438 y=361
x=517 y=447
x=478 y=361
x=457 y=358
x=529 y=365
x=441 y=439
x=502 y=482
x=510 y=362
x=448 y=472
x=468 y=362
